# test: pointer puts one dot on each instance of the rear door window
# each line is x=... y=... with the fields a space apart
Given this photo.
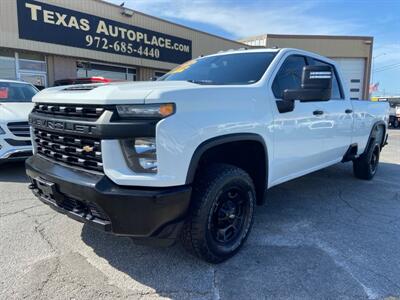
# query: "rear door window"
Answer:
x=336 y=86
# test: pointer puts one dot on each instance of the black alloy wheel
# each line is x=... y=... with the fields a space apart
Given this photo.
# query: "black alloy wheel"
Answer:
x=229 y=214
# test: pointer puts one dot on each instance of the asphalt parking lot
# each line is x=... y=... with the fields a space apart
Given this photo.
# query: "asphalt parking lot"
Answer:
x=324 y=236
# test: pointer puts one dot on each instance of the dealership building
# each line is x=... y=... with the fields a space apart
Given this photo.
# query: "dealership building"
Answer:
x=44 y=41
x=48 y=40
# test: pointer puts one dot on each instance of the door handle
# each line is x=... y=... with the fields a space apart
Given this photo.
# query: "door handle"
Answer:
x=318 y=112
x=348 y=111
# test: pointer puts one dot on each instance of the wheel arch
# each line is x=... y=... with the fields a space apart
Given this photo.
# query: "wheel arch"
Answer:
x=231 y=139
x=373 y=134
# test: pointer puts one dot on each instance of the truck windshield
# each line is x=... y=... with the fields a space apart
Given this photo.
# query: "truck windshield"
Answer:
x=228 y=69
x=16 y=92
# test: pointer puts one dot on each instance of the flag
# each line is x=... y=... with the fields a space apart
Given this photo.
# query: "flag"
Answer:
x=373 y=87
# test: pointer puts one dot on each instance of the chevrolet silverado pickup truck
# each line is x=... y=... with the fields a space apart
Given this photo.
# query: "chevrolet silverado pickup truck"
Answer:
x=190 y=156
x=15 y=106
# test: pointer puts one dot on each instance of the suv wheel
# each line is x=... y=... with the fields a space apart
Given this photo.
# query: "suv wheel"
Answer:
x=221 y=213
x=366 y=165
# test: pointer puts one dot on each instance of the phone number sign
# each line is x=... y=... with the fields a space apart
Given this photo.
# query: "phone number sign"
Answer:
x=47 y=23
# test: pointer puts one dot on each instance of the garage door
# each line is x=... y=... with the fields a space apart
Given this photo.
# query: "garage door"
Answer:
x=353 y=70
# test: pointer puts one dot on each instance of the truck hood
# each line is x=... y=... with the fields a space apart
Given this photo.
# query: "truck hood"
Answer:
x=15 y=112
x=109 y=93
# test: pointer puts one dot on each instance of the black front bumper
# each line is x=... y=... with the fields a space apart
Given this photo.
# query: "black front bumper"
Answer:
x=154 y=213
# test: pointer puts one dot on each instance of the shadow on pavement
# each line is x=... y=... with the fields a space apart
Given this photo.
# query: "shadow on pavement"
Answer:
x=317 y=237
x=13 y=172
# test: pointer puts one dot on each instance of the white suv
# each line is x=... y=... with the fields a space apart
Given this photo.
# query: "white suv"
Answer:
x=15 y=106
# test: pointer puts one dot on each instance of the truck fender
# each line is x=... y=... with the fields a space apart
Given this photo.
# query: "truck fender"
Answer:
x=219 y=140
x=372 y=136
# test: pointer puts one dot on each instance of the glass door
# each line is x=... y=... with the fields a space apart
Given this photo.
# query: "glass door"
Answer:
x=38 y=80
x=32 y=68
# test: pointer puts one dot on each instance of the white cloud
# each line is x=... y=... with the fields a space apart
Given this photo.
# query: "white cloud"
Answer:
x=252 y=19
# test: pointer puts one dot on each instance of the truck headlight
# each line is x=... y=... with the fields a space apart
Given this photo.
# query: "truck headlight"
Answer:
x=141 y=154
x=146 y=110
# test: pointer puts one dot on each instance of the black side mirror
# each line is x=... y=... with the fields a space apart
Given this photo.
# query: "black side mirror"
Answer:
x=316 y=85
x=285 y=106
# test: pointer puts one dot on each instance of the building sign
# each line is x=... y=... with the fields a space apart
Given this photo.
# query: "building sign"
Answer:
x=43 y=22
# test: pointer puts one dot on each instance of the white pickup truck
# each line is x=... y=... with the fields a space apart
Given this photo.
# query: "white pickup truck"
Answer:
x=191 y=155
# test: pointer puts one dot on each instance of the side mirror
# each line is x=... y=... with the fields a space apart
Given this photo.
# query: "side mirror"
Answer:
x=316 y=85
x=285 y=106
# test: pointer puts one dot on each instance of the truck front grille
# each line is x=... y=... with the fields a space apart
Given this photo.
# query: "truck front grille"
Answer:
x=88 y=112
x=76 y=151
x=20 y=129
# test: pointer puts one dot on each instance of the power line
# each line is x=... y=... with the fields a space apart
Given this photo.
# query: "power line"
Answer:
x=383 y=67
x=394 y=67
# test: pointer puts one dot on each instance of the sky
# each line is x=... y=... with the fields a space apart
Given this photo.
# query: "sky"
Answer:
x=236 y=19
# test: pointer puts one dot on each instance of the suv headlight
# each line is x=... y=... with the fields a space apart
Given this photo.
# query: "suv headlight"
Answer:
x=2 y=131
x=141 y=154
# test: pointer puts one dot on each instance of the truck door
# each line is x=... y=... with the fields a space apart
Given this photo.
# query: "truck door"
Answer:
x=298 y=135
x=338 y=113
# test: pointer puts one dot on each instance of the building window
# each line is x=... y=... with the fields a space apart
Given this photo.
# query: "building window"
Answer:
x=38 y=80
x=32 y=68
x=24 y=66
x=88 y=69
x=131 y=74
x=7 y=67
x=32 y=62
x=158 y=74
x=31 y=65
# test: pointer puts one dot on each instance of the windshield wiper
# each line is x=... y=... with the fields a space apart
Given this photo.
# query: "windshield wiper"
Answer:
x=200 y=81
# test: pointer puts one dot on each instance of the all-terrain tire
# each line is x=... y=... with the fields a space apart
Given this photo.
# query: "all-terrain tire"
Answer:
x=204 y=234
x=365 y=166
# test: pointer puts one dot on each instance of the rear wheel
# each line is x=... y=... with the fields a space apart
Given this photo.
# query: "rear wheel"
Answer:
x=221 y=213
x=366 y=165
x=396 y=123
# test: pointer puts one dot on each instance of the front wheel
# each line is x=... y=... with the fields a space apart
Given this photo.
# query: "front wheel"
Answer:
x=366 y=165
x=221 y=213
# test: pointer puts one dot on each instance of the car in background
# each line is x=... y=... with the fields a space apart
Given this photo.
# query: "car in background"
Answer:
x=394 y=117
x=394 y=114
x=15 y=106
x=72 y=81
